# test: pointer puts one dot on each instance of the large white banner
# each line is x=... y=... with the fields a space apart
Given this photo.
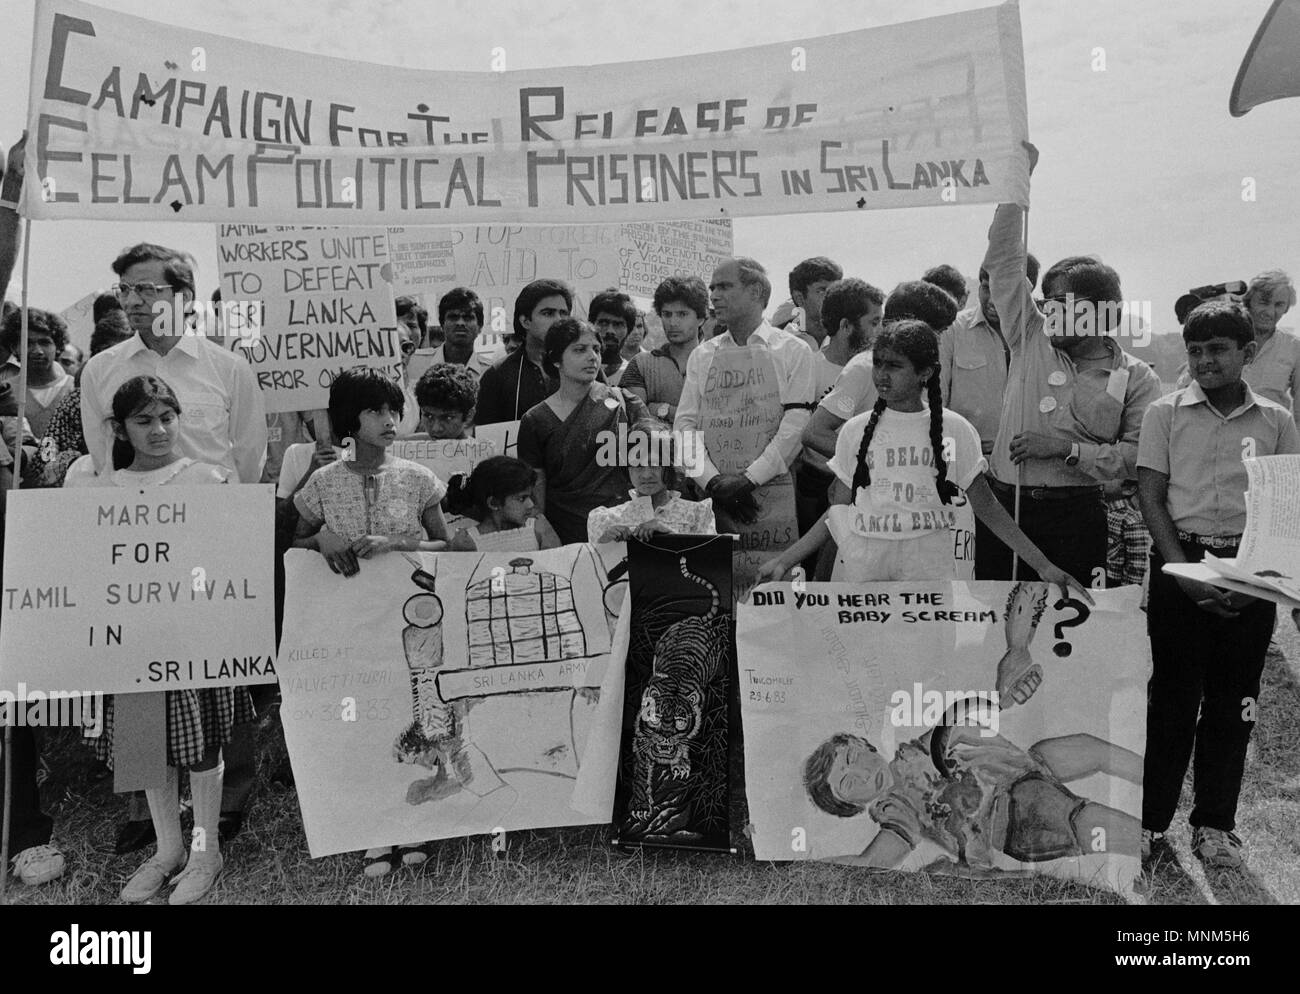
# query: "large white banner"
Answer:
x=160 y=589
x=882 y=727
x=450 y=694
x=133 y=119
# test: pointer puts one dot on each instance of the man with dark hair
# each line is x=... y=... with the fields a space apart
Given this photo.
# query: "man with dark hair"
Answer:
x=746 y=399
x=854 y=391
x=225 y=419
x=48 y=383
x=682 y=303
x=1073 y=406
x=517 y=382
x=414 y=317
x=950 y=280
x=851 y=314
x=808 y=283
x=973 y=360
x=460 y=314
x=613 y=315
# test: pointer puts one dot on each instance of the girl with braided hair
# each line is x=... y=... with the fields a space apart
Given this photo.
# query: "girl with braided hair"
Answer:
x=900 y=471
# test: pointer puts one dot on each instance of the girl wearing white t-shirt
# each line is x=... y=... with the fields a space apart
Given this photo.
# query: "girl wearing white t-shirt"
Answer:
x=894 y=499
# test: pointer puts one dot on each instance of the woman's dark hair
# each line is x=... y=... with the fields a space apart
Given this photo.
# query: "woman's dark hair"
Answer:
x=559 y=337
x=495 y=477
x=1219 y=319
x=357 y=390
x=916 y=342
x=131 y=398
x=448 y=387
x=38 y=323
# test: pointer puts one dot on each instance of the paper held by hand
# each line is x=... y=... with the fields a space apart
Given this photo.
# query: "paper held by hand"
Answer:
x=1215 y=571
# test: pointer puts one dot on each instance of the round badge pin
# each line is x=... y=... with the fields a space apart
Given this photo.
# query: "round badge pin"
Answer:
x=1047 y=405
x=611 y=403
x=1057 y=379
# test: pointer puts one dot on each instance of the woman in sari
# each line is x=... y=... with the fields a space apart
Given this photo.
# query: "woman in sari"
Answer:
x=572 y=438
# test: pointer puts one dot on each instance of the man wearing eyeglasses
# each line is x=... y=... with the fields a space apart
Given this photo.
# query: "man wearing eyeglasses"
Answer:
x=223 y=419
x=1073 y=406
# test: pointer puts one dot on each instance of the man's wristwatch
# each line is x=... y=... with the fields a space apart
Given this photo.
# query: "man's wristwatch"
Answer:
x=1073 y=458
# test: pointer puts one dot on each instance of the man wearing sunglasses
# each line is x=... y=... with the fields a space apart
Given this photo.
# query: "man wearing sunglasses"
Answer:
x=1073 y=407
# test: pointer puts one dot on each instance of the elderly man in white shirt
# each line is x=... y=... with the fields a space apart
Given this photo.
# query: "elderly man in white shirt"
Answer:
x=223 y=419
x=744 y=404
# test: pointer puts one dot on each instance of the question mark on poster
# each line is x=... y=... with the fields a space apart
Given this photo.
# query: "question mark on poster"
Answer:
x=1064 y=648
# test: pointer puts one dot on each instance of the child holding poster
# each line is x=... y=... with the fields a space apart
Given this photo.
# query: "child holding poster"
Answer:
x=889 y=511
x=499 y=493
x=146 y=426
x=370 y=504
x=373 y=503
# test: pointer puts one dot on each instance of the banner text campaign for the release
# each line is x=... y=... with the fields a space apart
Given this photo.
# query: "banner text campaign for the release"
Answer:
x=920 y=113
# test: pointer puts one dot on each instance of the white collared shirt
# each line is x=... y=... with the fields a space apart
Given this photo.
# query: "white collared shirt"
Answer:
x=223 y=415
x=794 y=366
x=477 y=364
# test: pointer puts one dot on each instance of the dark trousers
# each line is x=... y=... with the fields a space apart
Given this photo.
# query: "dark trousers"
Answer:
x=1206 y=672
x=29 y=826
x=1071 y=533
x=811 y=499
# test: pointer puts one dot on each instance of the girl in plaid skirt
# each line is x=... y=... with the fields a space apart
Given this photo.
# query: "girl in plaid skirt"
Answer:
x=146 y=422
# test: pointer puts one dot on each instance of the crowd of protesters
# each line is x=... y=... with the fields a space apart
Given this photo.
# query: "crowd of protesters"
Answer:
x=887 y=413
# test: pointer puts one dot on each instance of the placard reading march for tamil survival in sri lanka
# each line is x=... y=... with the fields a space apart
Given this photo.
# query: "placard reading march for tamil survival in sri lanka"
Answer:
x=161 y=589
x=132 y=119
x=326 y=305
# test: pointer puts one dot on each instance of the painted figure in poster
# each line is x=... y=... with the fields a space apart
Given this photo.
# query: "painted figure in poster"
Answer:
x=686 y=659
x=986 y=796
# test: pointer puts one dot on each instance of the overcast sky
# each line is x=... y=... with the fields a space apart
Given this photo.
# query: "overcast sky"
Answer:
x=1141 y=163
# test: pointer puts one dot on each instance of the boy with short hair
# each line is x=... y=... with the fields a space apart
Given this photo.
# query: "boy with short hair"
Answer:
x=1207 y=645
x=446 y=394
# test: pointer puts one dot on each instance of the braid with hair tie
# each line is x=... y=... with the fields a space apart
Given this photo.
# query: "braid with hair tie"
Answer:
x=862 y=473
x=947 y=489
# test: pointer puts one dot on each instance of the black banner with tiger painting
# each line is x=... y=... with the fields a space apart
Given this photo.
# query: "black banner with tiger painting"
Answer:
x=673 y=787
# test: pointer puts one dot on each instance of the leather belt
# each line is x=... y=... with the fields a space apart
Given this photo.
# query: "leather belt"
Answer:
x=1047 y=493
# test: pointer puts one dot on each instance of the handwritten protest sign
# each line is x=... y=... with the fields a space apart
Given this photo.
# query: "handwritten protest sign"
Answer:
x=144 y=590
x=462 y=698
x=496 y=262
x=881 y=727
x=238 y=131
x=326 y=302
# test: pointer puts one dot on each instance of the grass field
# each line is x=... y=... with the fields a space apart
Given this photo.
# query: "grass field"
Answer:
x=268 y=862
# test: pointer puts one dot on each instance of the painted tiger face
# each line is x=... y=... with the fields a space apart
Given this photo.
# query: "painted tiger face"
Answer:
x=669 y=720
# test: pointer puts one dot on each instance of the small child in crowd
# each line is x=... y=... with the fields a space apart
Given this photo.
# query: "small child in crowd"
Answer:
x=499 y=495
x=654 y=507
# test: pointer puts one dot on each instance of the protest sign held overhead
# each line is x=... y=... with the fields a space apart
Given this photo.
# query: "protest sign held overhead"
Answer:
x=886 y=725
x=915 y=114
x=143 y=591
x=496 y=262
x=326 y=304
